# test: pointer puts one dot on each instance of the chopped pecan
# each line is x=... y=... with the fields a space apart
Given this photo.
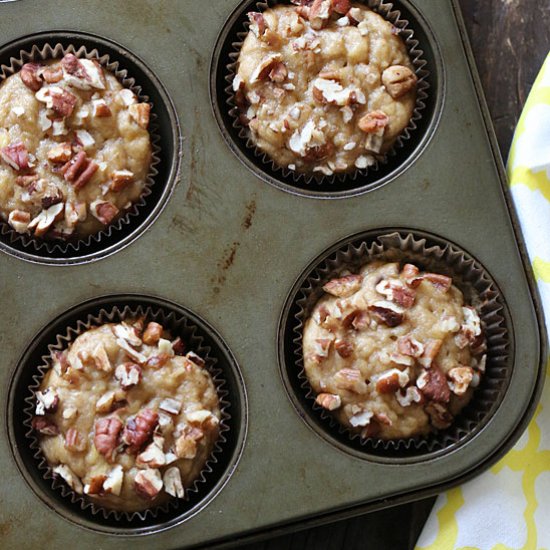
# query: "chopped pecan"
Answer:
x=139 y=430
x=148 y=483
x=431 y=349
x=106 y=435
x=74 y=441
x=320 y=13
x=72 y=65
x=60 y=362
x=278 y=73
x=101 y=109
x=341 y=6
x=30 y=77
x=104 y=211
x=63 y=102
x=441 y=282
x=127 y=332
x=95 y=486
x=76 y=167
x=479 y=345
x=461 y=378
x=51 y=74
x=434 y=385
x=351 y=380
x=128 y=375
x=411 y=395
x=27 y=180
x=44 y=426
x=172 y=482
x=141 y=113
x=70 y=477
x=257 y=23
x=86 y=175
x=186 y=446
x=113 y=483
x=361 y=321
x=343 y=348
x=361 y=418
x=52 y=196
x=60 y=153
x=16 y=156
x=329 y=401
x=178 y=346
x=410 y=271
x=158 y=361
x=172 y=406
x=391 y=380
x=19 y=220
x=261 y=72
x=373 y=122
x=42 y=223
x=47 y=401
x=74 y=212
x=396 y=291
x=409 y=345
x=152 y=333
x=344 y=286
x=387 y=313
x=153 y=456
x=194 y=358
x=121 y=179
x=398 y=80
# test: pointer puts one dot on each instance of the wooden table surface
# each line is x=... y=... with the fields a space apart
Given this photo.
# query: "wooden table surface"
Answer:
x=510 y=40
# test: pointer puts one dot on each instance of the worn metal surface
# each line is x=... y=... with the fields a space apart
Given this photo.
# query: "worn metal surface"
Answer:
x=229 y=247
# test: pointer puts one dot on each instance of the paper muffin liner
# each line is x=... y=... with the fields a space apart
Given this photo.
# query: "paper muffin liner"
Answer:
x=177 y=325
x=480 y=291
x=56 y=247
x=416 y=55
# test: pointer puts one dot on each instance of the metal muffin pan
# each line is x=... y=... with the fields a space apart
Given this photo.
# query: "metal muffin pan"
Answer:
x=230 y=247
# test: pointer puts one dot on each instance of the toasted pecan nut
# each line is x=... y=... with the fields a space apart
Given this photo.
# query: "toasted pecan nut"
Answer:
x=409 y=345
x=52 y=74
x=351 y=380
x=373 y=122
x=106 y=436
x=139 y=430
x=398 y=80
x=148 y=483
x=63 y=102
x=387 y=313
x=19 y=220
x=75 y=441
x=60 y=153
x=329 y=401
x=344 y=286
x=158 y=361
x=461 y=378
x=278 y=73
x=128 y=375
x=152 y=333
x=104 y=211
x=431 y=350
x=141 y=113
x=435 y=387
x=257 y=23
x=44 y=426
x=16 y=156
x=343 y=348
x=30 y=77
x=341 y=6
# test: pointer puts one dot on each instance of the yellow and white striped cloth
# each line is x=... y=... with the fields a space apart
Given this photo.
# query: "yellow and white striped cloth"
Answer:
x=508 y=507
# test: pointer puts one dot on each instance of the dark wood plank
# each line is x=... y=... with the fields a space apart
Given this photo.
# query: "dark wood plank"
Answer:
x=510 y=40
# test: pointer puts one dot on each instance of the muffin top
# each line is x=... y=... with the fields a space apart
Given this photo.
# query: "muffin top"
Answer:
x=393 y=353
x=74 y=148
x=125 y=418
x=325 y=86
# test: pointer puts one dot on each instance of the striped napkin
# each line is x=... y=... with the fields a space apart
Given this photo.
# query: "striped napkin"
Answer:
x=508 y=507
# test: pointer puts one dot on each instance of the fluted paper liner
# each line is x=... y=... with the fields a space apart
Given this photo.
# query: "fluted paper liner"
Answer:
x=416 y=54
x=177 y=325
x=479 y=290
x=61 y=247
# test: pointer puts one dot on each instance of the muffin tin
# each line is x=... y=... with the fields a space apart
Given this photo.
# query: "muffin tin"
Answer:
x=226 y=251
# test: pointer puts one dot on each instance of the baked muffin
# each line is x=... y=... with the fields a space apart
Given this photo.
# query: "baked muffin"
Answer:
x=126 y=419
x=324 y=86
x=393 y=353
x=74 y=147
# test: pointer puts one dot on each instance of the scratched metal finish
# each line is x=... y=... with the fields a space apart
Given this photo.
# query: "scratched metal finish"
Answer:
x=229 y=247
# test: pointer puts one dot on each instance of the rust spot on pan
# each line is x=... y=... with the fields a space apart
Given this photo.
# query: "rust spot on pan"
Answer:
x=250 y=211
